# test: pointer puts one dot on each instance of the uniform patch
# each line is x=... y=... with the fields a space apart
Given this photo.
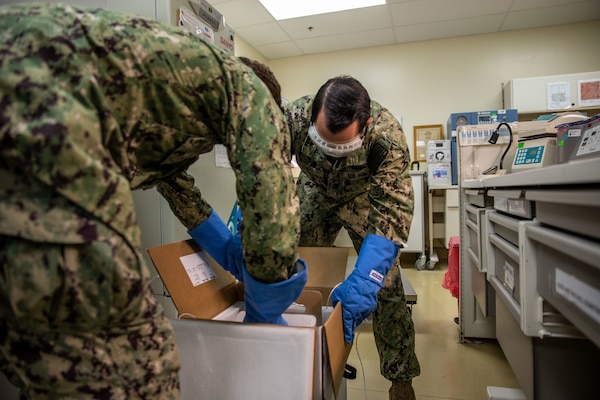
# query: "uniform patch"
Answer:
x=377 y=154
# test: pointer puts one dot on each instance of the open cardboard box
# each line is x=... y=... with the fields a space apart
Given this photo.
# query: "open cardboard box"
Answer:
x=231 y=360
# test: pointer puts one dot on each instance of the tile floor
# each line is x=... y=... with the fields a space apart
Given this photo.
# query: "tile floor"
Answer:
x=449 y=369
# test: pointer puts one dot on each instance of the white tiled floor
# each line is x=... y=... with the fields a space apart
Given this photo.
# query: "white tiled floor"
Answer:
x=449 y=369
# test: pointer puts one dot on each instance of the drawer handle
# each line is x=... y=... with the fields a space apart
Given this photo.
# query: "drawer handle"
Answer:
x=504 y=246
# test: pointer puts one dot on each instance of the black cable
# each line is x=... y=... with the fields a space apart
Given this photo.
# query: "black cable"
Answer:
x=494 y=138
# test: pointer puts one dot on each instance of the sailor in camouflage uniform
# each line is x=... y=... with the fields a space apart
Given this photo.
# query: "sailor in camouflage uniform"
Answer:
x=355 y=174
x=94 y=104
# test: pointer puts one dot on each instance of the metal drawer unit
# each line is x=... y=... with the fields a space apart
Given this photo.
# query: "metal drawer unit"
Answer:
x=535 y=337
x=577 y=211
x=512 y=272
x=478 y=197
x=472 y=240
x=548 y=328
x=568 y=277
x=504 y=259
x=512 y=202
x=549 y=368
x=476 y=251
x=476 y=300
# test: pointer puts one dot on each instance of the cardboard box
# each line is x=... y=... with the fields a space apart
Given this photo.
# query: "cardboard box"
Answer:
x=326 y=268
x=231 y=360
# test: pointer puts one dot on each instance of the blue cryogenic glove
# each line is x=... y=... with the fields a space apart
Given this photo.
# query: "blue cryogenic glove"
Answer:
x=358 y=293
x=265 y=302
x=214 y=237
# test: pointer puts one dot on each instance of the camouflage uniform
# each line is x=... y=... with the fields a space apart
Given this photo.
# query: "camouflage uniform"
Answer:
x=369 y=191
x=94 y=104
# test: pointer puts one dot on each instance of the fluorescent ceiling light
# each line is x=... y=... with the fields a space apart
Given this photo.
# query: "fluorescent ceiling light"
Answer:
x=285 y=9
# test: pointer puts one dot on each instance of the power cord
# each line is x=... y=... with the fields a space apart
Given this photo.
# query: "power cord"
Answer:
x=494 y=138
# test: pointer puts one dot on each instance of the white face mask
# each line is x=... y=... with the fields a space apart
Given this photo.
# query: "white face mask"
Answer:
x=337 y=150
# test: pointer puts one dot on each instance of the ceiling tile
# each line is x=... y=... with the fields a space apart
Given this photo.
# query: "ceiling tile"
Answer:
x=440 y=30
x=396 y=22
x=552 y=16
x=280 y=50
x=263 y=34
x=425 y=11
x=347 y=41
x=364 y=19
x=530 y=4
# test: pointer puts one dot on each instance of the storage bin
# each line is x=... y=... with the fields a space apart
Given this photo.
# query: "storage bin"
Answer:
x=505 y=227
x=577 y=211
x=512 y=202
x=479 y=197
x=568 y=276
x=506 y=265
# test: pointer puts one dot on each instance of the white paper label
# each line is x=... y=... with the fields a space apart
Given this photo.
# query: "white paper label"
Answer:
x=590 y=142
x=221 y=157
x=578 y=293
x=198 y=269
x=509 y=277
x=376 y=276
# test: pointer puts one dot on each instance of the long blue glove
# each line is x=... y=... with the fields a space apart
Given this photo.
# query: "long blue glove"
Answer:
x=358 y=293
x=265 y=302
x=214 y=237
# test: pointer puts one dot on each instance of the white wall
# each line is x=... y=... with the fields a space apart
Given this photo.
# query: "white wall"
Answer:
x=427 y=81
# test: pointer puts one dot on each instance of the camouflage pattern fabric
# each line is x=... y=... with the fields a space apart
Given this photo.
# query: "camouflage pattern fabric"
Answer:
x=345 y=192
x=94 y=104
x=78 y=321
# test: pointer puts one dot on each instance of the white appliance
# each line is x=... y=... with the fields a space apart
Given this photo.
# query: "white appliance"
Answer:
x=536 y=146
x=439 y=163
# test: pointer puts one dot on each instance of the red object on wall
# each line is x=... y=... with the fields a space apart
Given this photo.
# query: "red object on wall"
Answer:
x=452 y=276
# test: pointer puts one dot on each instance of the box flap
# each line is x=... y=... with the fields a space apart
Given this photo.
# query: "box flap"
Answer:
x=337 y=349
x=311 y=300
x=326 y=267
x=197 y=292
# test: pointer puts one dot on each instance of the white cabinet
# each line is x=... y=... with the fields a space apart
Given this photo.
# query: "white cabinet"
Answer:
x=535 y=94
x=416 y=238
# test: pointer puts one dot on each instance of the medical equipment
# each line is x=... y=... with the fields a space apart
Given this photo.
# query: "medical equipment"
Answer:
x=491 y=117
x=483 y=119
x=589 y=145
x=537 y=144
x=439 y=165
x=537 y=151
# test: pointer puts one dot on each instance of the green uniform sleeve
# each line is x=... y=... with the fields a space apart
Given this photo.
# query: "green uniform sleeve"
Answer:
x=260 y=155
x=391 y=193
x=117 y=102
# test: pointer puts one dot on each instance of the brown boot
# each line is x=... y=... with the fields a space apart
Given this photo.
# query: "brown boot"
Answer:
x=402 y=391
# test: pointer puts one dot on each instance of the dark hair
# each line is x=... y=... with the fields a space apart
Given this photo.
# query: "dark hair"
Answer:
x=343 y=100
x=265 y=74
